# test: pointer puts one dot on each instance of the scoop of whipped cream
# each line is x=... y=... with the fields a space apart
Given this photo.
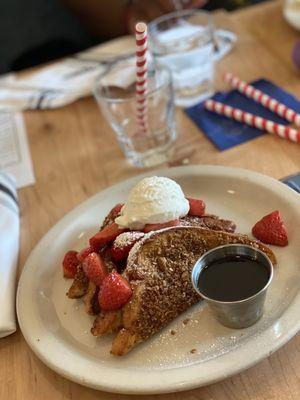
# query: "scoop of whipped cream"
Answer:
x=153 y=200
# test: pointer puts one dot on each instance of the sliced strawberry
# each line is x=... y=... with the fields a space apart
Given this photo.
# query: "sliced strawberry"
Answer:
x=114 y=292
x=84 y=253
x=271 y=230
x=111 y=216
x=197 y=207
x=106 y=235
x=94 y=268
x=107 y=259
x=70 y=263
x=123 y=244
x=156 y=227
x=114 y=212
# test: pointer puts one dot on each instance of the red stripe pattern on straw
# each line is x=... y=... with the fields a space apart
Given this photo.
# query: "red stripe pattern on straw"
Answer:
x=264 y=99
x=141 y=75
x=253 y=120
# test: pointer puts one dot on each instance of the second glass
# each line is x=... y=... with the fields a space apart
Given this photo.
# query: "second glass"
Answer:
x=142 y=148
x=183 y=41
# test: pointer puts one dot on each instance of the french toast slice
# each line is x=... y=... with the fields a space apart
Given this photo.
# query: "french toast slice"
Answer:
x=106 y=323
x=158 y=270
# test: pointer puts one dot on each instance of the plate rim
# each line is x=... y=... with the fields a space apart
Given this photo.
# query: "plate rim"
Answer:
x=166 y=385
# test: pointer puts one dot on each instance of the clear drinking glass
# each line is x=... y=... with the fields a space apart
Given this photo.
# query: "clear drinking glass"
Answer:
x=183 y=41
x=142 y=147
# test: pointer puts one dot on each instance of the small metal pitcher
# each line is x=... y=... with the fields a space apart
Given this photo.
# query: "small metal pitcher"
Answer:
x=241 y=313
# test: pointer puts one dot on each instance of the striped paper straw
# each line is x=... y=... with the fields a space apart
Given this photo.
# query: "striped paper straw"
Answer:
x=141 y=75
x=263 y=98
x=253 y=120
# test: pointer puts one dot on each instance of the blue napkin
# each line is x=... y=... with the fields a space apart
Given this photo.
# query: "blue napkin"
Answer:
x=226 y=133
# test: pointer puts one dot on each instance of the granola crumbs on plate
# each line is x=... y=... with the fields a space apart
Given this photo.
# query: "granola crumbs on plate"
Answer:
x=193 y=351
x=186 y=321
x=173 y=332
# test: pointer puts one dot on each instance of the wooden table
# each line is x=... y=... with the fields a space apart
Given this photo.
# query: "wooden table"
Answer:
x=75 y=155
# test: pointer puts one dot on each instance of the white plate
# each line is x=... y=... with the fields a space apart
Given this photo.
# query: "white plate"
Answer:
x=57 y=328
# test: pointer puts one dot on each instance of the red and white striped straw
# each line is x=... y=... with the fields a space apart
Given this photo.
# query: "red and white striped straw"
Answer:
x=141 y=75
x=263 y=98
x=253 y=120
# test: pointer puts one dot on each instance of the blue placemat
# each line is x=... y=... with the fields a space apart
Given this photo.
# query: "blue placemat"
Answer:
x=226 y=133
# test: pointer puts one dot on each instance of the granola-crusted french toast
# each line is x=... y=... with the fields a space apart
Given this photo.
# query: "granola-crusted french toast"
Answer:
x=158 y=270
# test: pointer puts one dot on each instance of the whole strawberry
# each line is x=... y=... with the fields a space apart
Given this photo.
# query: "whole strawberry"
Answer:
x=271 y=230
x=114 y=293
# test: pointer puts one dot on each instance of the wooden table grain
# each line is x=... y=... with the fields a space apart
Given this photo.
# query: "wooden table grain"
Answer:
x=75 y=155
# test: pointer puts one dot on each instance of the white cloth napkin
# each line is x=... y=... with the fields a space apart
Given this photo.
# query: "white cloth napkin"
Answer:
x=65 y=81
x=9 y=250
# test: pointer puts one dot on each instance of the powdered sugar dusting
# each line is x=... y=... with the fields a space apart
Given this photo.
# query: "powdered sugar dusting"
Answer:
x=136 y=248
x=127 y=238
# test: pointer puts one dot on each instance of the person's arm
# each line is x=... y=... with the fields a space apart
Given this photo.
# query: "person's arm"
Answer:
x=116 y=17
x=101 y=17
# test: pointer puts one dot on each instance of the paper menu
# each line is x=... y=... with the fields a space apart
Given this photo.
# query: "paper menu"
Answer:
x=14 y=151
